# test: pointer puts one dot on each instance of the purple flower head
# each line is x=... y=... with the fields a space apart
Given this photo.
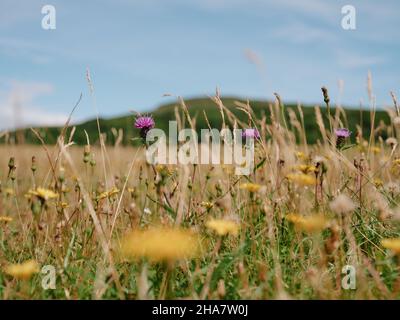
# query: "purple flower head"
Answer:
x=250 y=133
x=342 y=133
x=143 y=122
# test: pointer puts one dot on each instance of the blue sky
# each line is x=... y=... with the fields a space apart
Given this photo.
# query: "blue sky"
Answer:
x=137 y=51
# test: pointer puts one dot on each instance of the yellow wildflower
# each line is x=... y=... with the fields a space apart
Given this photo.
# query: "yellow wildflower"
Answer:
x=251 y=187
x=306 y=168
x=164 y=170
x=107 y=194
x=206 y=204
x=64 y=205
x=102 y=196
x=43 y=194
x=223 y=226
x=161 y=244
x=396 y=161
x=5 y=219
x=300 y=155
x=22 y=271
x=8 y=191
x=308 y=224
x=112 y=192
x=392 y=244
x=376 y=150
x=301 y=179
x=378 y=182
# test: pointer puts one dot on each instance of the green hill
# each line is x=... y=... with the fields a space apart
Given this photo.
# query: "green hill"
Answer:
x=196 y=107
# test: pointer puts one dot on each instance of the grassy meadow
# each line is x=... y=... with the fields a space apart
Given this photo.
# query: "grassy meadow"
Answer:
x=115 y=227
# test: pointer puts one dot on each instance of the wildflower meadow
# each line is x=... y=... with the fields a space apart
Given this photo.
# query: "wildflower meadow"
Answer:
x=309 y=221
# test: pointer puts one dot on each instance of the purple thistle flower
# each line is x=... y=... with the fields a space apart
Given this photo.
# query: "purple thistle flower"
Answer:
x=144 y=123
x=250 y=133
x=342 y=133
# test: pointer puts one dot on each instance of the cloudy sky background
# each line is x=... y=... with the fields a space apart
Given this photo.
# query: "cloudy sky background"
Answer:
x=139 y=50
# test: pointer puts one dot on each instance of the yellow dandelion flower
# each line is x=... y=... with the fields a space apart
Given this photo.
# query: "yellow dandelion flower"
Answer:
x=64 y=205
x=310 y=224
x=223 y=226
x=160 y=167
x=376 y=150
x=164 y=170
x=301 y=155
x=306 y=168
x=28 y=195
x=396 y=162
x=102 y=196
x=5 y=219
x=107 y=194
x=161 y=244
x=131 y=190
x=392 y=244
x=378 y=182
x=206 y=204
x=112 y=192
x=8 y=191
x=22 y=271
x=301 y=179
x=251 y=187
x=43 y=194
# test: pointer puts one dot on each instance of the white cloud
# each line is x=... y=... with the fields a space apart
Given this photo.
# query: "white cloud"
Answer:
x=301 y=33
x=13 y=12
x=349 y=59
x=18 y=107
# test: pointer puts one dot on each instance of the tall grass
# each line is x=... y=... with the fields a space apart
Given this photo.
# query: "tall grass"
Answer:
x=280 y=251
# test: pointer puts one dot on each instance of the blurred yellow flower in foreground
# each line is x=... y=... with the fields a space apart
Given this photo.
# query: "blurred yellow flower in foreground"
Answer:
x=301 y=179
x=392 y=244
x=5 y=219
x=161 y=244
x=314 y=223
x=43 y=194
x=223 y=226
x=22 y=271
x=9 y=192
x=251 y=187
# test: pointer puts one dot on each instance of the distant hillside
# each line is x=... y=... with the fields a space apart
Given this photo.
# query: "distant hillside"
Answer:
x=196 y=107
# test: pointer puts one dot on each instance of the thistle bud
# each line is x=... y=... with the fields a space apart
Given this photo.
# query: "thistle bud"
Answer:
x=33 y=165
x=11 y=163
x=61 y=176
x=325 y=94
x=92 y=161
x=86 y=154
